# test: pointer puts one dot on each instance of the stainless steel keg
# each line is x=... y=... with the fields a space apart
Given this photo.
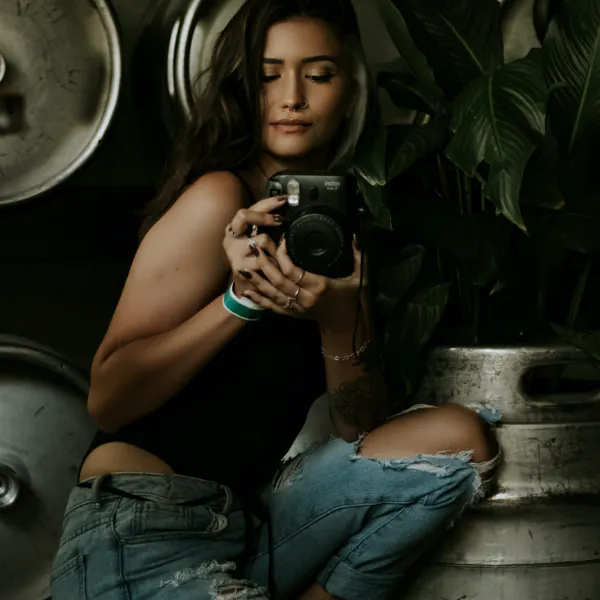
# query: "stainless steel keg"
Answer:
x=44 y=433
x=63 y=59
x=538 y=536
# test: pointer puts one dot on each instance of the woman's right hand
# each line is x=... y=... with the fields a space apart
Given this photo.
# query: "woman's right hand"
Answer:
x=239 y=243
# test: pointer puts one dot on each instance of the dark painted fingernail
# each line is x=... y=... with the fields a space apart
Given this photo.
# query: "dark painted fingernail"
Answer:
x=254 y=250
x=246 y=274
x=278 y=219
x=267 y=253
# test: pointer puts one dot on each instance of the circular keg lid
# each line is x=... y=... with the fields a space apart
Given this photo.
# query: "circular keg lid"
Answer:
x=44 y=432
x=63 y=59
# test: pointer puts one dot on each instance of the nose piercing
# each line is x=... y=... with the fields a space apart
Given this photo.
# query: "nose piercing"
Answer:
x=302 y=106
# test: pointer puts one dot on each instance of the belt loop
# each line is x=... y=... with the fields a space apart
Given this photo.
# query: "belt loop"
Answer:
x=96 y=485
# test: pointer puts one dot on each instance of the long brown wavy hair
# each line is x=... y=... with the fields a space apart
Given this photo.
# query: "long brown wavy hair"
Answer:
x=224 y=132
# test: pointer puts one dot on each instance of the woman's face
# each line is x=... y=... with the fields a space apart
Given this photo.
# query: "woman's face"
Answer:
x=306 y=87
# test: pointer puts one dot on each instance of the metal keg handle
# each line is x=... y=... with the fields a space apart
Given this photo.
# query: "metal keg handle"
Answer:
x=12 y=107
x=557 y=355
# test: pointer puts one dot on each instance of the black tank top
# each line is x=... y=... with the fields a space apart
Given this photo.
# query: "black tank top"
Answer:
x=235 y=420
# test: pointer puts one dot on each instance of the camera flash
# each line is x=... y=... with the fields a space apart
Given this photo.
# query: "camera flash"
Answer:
x=293 y=190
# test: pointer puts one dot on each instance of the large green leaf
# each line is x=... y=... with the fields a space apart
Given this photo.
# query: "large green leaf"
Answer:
x=572 y=58
x=479 y=242
x=461 y=39
x=394 y=282
x=375 y=197
x=577 y=232
x=499 y=118
x=541 y=184
x=408 y=92
x=407 y=144
x=411 y=56
x=369 y=159
x=408 y=331
x=413 y=326
x=588 y=342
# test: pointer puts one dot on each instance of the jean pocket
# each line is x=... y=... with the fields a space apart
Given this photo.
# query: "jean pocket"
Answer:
x=68 y=580
x=161 y=520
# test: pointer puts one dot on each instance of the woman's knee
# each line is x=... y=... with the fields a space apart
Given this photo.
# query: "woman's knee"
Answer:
x=448 y=428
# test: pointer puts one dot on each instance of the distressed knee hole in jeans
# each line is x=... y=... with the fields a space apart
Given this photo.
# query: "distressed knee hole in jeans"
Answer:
x=242 y=589
x=204 y=571
x=444 y=463
x=223 y=587
x=291 y=470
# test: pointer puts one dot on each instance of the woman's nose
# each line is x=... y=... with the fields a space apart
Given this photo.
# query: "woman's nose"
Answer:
x=294 y=98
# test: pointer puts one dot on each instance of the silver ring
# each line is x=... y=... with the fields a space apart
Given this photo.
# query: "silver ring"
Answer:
x=297 y=294
x=289 y=303
x=252 y=244
x=254 y=231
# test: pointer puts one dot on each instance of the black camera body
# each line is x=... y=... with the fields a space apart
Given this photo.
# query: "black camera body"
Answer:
x=321 y=216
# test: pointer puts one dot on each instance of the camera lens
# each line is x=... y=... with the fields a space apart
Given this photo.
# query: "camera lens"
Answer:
x=316 y=243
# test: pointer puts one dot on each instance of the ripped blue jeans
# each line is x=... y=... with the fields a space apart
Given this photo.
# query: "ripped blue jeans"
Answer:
x=351 y=523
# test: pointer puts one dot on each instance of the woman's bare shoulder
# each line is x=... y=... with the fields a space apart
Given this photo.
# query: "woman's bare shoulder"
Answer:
x=218 y=192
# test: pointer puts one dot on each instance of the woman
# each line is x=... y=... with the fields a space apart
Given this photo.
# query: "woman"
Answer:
x=199 y=387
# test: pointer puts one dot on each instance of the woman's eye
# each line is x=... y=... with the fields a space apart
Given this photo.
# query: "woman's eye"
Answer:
x=322 y=78
x=268 y=78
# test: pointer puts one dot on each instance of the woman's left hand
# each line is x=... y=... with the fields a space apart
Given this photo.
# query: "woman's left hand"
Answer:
x=289 y=290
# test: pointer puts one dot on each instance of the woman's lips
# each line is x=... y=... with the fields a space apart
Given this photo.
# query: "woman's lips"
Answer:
x=292 y=128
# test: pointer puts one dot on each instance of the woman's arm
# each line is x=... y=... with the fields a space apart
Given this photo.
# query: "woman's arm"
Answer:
x=356 y=389
x=170 y=321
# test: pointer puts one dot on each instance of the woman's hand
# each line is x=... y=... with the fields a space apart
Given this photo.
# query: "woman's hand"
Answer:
x=286 y=289
x=247 y=254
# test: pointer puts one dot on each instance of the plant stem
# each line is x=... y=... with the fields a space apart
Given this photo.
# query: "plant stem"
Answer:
x=578 y=295
x=541 y=305
x=476 y=315
x=468 y=191
x=461 y=203
x=459 y=282
x=482 y=197
x=443 y=177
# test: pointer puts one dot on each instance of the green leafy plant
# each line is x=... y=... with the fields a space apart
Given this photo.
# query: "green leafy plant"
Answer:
x=493 y=188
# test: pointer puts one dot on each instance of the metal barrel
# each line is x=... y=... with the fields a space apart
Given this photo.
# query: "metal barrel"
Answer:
x=44 y=432
x=538 y=536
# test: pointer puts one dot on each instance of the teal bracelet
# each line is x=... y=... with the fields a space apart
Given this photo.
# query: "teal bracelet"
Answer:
x=239 y=310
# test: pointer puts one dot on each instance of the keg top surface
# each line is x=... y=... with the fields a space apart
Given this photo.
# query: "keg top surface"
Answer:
x=64 y=59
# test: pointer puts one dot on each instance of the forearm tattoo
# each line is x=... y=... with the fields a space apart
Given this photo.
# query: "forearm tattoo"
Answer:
x=360 y=402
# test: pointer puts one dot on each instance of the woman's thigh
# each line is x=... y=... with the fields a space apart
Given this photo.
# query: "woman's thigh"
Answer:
x=331 y=493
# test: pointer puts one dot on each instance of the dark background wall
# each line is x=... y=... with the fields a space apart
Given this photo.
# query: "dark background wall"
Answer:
x=64 y=257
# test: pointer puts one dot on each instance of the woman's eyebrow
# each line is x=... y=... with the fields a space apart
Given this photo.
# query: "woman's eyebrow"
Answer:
x=305 y=61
